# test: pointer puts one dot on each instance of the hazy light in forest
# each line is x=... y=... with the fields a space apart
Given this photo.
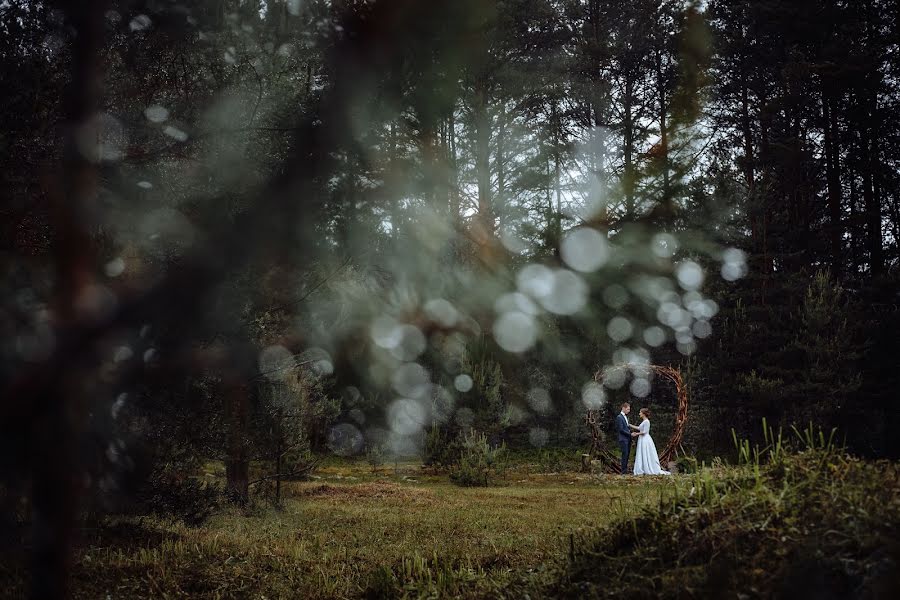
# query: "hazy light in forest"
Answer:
x=442 y=404
x=683 y=335
x=293 y=7
x=122 y=354
x=115 y=267
x=175 y=133
x=538 y=437
x=411 y=380
x=411 y=343
x=592 y=395
x=406 y=416
x=654 y=336
x=345 y=439
x=515 y=331
x=274 y=361
x=515 y=301
x=323 y=367
x=690 y=275
x=317 y=360
x=734 y=264
x=687 y=348
x=672 y=315
x=145 y=185
x=118 y=405
x=140 y=23
x=702 y=329
x=511 y=241
x=640 y=387
x=614 y=379
x=441 y=311
x=463 y=383
x=664 y=245
x=102 y=139
x=95 y=302
x=150 y=355
x=465 y=417
x=229 y=56
x=568 y=293
x=615 y=296
x=156 y=113
x=535 y=280
x=619 y=329
x=584 y=249
x=385 y=332
x=539 y=400
x=165 y=230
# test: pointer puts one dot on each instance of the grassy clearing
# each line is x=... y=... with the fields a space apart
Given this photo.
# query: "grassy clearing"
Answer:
x=347 y=533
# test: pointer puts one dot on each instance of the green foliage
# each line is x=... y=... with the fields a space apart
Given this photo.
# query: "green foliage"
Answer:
x=491 y=414
x=686 y=464
x=443 y=447
x=375 y=456
x=558 y=460
x=795 y=359
x=170 y=494
x=479 y=463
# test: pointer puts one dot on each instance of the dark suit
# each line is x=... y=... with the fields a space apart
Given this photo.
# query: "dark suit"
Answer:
x=624 y=440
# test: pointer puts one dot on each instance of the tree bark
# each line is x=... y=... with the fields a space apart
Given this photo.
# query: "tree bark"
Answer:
x=237 y=464
x=56 y=482
x=832 y=174
x=485 y=218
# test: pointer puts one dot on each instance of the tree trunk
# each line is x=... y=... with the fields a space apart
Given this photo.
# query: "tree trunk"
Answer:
x=500 y=162
x=872 y=206
x=628 y=180
x=832 y=174
x=453 y=170
x=663 y=134
x=57 y=472
x=237 y=464
x=485 y=219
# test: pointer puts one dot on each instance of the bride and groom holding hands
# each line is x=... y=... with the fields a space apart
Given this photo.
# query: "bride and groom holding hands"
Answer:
x=646 y=460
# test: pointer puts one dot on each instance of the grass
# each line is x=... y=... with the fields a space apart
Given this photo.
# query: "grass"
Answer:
x=798 y=520
x=807 y=522
x=352 y=532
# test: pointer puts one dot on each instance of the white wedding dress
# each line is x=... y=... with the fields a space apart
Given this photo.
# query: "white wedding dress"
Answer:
x=646 y=460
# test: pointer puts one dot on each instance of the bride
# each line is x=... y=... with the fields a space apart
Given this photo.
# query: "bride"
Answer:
x=646 y=460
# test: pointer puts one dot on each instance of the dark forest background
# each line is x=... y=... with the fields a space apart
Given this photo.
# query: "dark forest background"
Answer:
x=197 y=196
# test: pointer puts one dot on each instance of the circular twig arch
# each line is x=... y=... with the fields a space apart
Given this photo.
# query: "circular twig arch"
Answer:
x=674 y=443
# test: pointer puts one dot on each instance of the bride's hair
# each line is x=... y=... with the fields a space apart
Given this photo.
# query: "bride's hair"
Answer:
x=645 y=412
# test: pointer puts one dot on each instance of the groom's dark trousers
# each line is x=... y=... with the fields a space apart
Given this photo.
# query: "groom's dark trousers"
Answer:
x=624 y=441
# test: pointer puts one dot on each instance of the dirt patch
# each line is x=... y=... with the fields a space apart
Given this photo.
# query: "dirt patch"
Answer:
x=378 y=490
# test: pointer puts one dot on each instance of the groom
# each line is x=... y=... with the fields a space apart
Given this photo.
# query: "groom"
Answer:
x=624 y=432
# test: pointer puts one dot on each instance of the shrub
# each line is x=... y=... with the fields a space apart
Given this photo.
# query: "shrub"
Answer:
x=375 y=456
x=686 y=464
x=479 y=462
x=169 y=494
x=442 y=447
x=554 y=460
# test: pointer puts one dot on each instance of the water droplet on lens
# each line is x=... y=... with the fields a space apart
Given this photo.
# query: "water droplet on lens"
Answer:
x=463 y=383
x=515 y=331
x=156 y=113
x=584 y=249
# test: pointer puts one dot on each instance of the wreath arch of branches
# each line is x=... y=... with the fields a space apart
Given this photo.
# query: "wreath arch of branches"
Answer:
x=611 y=462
